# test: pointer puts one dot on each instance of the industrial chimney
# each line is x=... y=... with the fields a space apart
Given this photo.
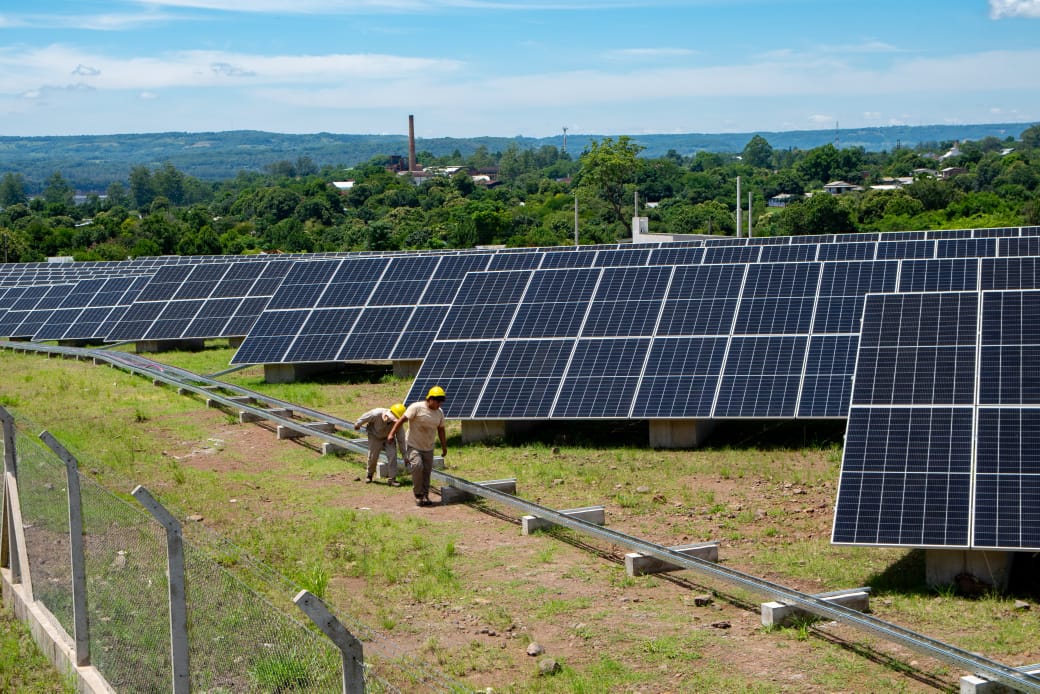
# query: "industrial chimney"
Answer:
x=411 y=144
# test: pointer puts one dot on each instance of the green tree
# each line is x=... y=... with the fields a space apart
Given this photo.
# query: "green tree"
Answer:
x=12 y=190
x=758 y=153
x=608 y=173
x=58 y=191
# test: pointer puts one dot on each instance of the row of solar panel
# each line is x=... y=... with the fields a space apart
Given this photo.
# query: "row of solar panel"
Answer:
x=943 y=442
x=762 y=340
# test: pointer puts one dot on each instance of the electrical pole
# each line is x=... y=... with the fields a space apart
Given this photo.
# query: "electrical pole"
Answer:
x=739 y=208
x=575 y=219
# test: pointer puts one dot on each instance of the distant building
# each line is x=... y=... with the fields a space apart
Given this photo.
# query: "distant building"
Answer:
x=342 y=186
x=951 y=171
x=841 y=187
x=781 y=200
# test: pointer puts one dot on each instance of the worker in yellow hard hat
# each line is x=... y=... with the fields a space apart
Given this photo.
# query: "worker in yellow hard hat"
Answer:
x=425 y=425
x=377 y=423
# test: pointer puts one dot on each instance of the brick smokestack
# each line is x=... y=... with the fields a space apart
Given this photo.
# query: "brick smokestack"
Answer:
x=411 y=143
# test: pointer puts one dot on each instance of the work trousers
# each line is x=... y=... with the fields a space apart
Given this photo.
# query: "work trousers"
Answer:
x=388 y=446
x=421 y=463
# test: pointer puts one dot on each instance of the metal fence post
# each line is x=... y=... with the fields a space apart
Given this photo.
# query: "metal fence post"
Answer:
x=178 y=602
x=14 y=549
x=79 y=563
x=350 y=647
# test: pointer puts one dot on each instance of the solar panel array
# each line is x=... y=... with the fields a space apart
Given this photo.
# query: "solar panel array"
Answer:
x=944 y=425
x=753 y=339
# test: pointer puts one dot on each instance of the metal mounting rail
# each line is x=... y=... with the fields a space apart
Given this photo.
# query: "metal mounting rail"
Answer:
x=201 y=385
x=965 y=660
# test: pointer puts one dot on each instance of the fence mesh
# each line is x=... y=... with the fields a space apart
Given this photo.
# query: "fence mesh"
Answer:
x=244 y=632
x=45 y=519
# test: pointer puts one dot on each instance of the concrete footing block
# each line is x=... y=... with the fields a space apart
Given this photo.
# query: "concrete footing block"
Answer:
x=775 y=614
x=242 y=399
x=637 y=564
x=451 y=495
x=973 y=684
x=589 y=514
x=285 y=432
x=330 y=448
x=248 y=417
x=280 y=412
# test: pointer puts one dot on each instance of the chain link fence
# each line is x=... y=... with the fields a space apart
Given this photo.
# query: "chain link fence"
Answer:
x=238 y=641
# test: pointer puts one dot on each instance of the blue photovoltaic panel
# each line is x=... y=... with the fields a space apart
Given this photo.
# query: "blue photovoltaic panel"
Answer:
x=681 y=378
x=778 y=298
x=847 y=251
x=461 y=369
x=1024 y=246
x=627 y=301
x=270 y=337
x=949 y=233
x=1010 y=273
x=485 y=305
x=731 y=254
x=701 y=300
x=761 y=377
x=622 y=257
x=562 y=259
x=555 y=303
x=789 y=253
x=1010 y=349
x=527 y=260
x=303 y=284
x=420 y=332
x=917 y=349
x=676 y=256
x=948 y=275
x=525 y=379
x=827 y=385
x=842 y=288
x=966 y=248
x=905 y=477
x=602 y=379
x=375 y=333
x=1007 y=478
x=893 y=250
x=164 y=283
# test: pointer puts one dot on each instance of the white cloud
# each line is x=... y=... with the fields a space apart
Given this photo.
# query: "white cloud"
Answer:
x=820 y=119
x=872 y=115
x=1014 y=8
x=650 y=53
x=22 y=70
x=402 y=6
x=86 y=71
x=147 y=96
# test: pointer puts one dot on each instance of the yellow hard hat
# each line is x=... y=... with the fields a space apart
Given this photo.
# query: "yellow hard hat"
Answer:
x=436 y=392
x=398 y=409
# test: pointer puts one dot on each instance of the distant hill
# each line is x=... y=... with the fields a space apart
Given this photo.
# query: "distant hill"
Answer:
x=92 y=162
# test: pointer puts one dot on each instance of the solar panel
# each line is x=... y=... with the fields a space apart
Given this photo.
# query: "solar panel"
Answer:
x=934 y=456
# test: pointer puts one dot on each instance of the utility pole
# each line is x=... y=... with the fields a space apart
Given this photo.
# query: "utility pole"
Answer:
x=564 y=139
x=739 y=208
x=575 y=219
x=749 y=214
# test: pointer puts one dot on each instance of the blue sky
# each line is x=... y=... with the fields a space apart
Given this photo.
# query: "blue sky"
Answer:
x=470 y=68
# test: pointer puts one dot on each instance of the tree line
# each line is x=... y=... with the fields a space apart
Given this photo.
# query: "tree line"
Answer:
x=292 y=205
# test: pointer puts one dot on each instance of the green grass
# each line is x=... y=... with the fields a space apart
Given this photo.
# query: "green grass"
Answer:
x=396 y=572
x=23 y=668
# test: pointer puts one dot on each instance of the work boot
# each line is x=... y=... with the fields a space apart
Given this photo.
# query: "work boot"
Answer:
x=393 y=483
x=368 y=480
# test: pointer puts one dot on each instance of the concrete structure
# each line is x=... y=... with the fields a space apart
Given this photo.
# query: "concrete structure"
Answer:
x=483 y=430
x=153 y=346
x=679 y=433
x=973 y=684
x=776 y=614
x=290 y=373
x=285 y=432
x=589 y=514
x=968 y=570
x=49 y=635
x=406 y=368
x=637 y=564
x=451 y=495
